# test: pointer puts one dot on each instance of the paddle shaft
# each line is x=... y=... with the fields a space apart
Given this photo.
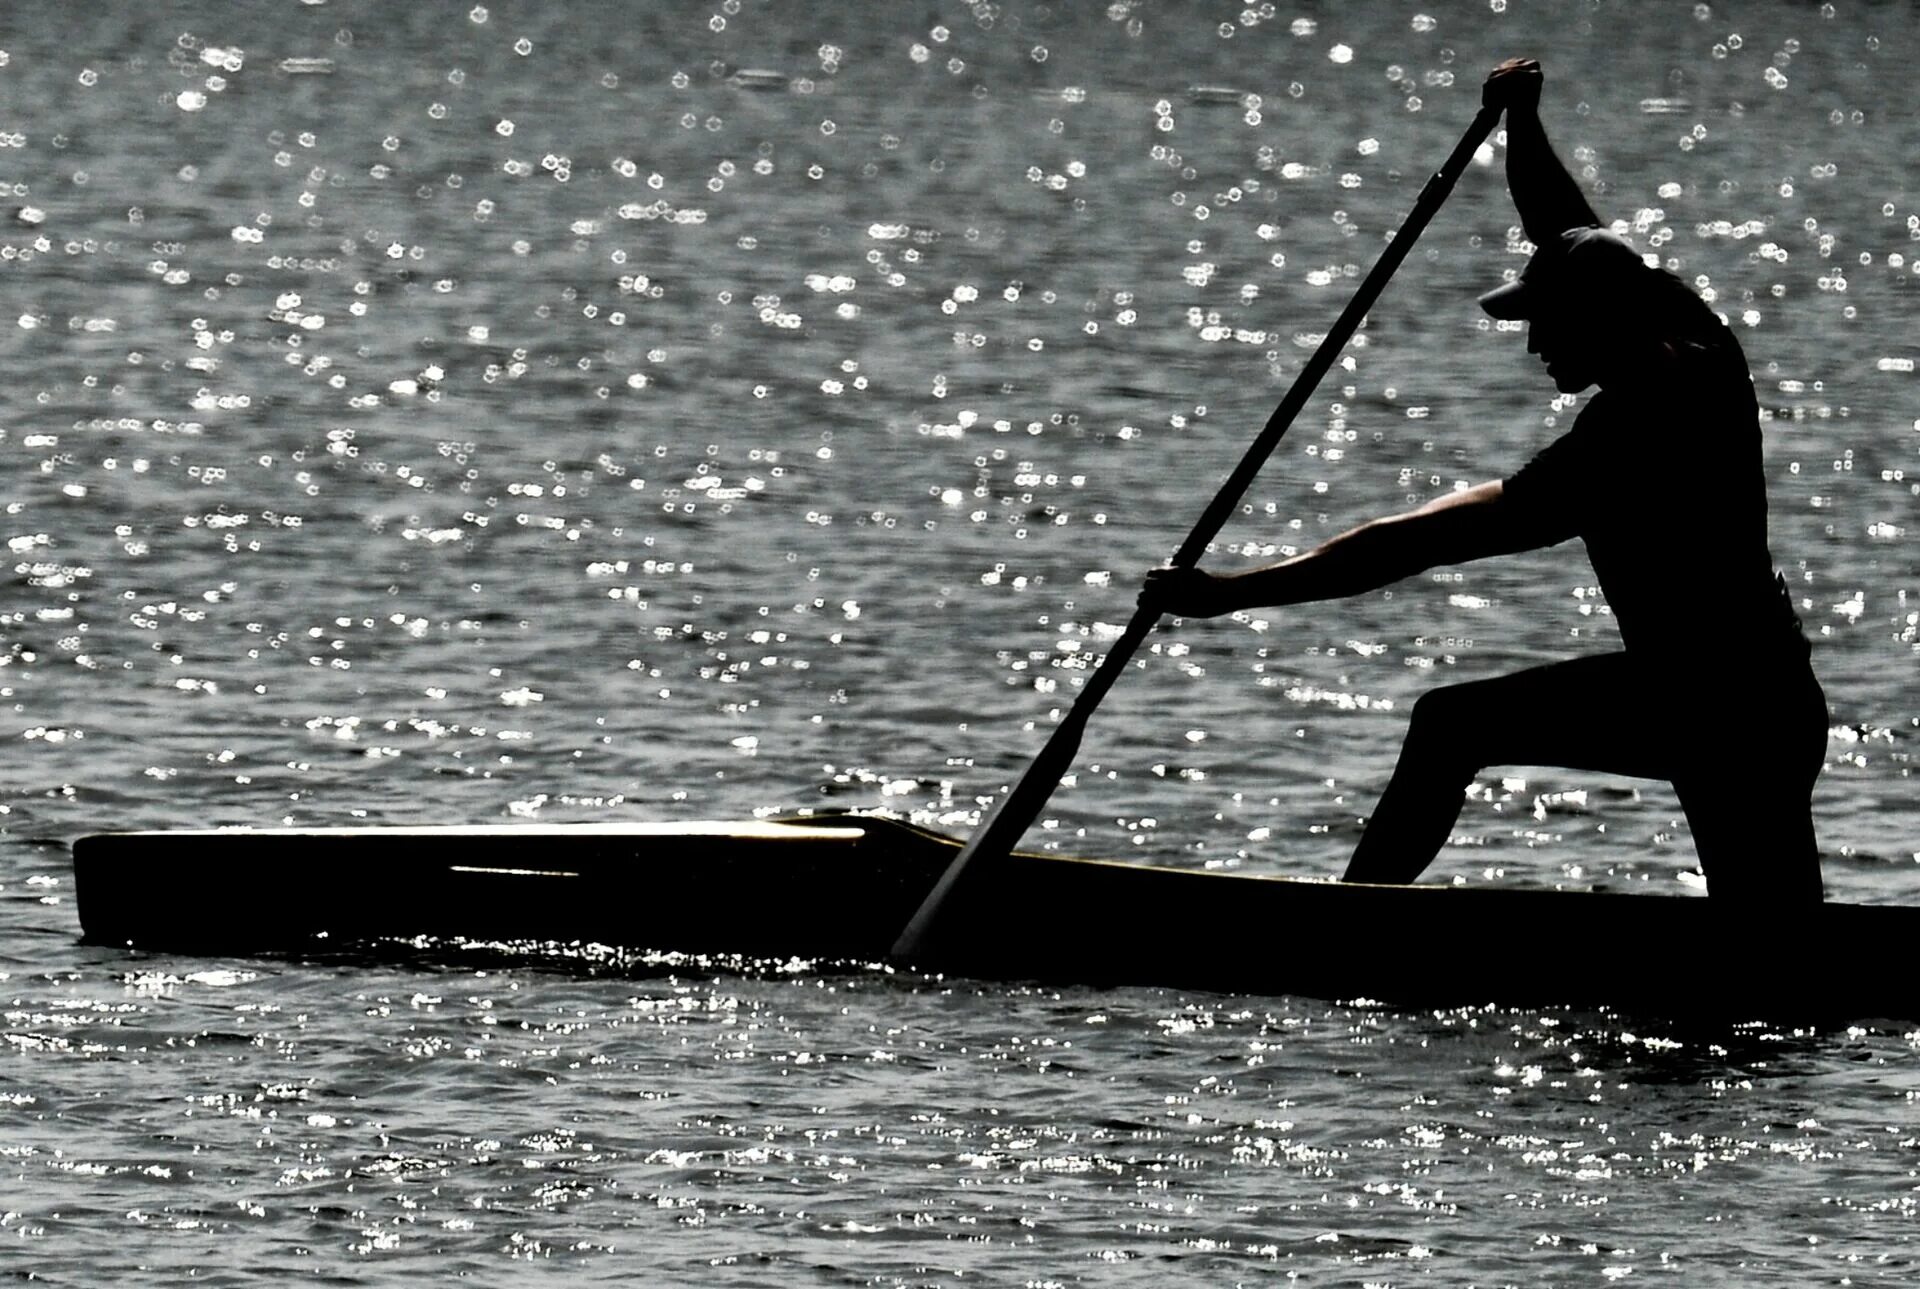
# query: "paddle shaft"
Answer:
x=1014 y=813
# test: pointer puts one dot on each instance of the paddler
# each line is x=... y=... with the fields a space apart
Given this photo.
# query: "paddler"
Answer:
x=1661 y=477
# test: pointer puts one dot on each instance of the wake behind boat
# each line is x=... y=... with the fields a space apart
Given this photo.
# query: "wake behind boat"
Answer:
x=833 y=889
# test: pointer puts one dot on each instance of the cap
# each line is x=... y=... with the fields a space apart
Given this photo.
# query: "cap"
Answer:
x=1582 y=262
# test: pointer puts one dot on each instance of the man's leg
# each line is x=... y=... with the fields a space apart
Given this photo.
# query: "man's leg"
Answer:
x=1751 y=812
x=1586 y=714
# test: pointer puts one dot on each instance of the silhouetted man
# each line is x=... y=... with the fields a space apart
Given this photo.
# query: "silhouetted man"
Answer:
x=1661 y=478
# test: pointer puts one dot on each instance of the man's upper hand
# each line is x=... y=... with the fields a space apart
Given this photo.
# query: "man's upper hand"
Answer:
x=1513 y=86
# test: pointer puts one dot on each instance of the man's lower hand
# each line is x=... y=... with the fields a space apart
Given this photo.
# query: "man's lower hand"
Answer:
x=1183 y=593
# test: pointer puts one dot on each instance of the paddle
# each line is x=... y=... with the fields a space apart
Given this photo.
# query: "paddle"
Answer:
x=1014 y=813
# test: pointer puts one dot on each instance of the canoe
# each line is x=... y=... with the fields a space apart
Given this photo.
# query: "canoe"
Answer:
x=834 y=890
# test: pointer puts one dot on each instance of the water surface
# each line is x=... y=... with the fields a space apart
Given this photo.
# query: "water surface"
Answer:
x=592 y=412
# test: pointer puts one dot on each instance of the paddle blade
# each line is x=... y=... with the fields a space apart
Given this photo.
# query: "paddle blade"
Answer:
x=997 y=834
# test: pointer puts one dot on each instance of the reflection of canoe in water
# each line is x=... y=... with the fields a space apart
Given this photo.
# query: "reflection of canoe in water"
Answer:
x=838 y=888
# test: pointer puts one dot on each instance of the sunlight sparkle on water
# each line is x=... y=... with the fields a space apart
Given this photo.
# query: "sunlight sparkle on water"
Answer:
x=487 y=420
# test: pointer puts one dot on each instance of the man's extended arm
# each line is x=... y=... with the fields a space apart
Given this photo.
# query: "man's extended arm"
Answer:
x=1548 y=199
x=1452 y=529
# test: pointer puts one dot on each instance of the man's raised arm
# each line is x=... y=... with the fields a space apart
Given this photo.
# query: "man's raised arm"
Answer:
x=1548 y=199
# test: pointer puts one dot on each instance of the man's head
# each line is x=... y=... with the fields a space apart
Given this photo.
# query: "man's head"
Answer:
x=1589 y=301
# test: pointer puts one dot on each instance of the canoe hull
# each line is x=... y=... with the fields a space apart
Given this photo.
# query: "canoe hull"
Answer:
x=837 y=889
